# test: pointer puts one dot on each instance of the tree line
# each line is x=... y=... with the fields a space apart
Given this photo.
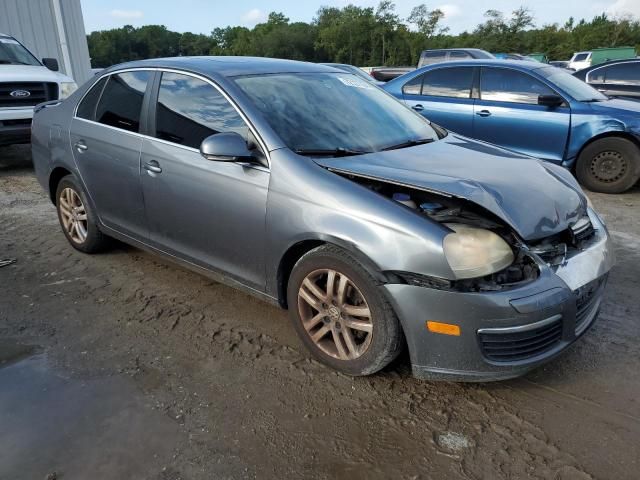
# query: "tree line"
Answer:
x=367 y=36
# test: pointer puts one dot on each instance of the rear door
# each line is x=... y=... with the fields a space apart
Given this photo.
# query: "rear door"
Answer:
x=443 y=95
x=507 y=114
x=106 y=146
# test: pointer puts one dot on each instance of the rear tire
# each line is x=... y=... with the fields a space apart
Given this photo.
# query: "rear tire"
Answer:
x=340 y=313
x=77 y=220
x=609 y=165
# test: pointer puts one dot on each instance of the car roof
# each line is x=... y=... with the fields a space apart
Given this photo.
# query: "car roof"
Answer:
x=228 y=66
x=489 y=62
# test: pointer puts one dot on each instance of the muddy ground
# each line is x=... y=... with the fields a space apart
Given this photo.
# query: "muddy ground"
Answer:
x=119 y=366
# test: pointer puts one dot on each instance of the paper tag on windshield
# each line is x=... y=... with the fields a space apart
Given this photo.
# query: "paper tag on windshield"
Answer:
x=354 y=82
x=9 y=40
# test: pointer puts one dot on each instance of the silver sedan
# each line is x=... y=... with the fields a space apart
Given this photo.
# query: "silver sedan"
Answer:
x=313 y=189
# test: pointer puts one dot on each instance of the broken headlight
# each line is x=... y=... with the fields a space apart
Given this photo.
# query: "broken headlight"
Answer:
x=475 y=252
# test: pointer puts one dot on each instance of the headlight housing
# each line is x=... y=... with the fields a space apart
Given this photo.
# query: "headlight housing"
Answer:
x=67 y=88
x=475 y=252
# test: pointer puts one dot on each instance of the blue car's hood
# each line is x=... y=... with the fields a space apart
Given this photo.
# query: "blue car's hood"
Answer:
x=625 y=106
x=535 y=198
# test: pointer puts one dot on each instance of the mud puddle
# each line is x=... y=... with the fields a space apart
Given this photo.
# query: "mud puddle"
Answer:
x=57 y=426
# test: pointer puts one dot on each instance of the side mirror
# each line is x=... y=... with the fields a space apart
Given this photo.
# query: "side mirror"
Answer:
x=51 y=64
x=551 y=101
x=225 y=147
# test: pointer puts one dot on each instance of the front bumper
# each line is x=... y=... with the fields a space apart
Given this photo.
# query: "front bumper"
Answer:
x=505 y=334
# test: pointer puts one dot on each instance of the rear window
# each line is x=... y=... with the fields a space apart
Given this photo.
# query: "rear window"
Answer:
x=448 y=82
x=121 y=101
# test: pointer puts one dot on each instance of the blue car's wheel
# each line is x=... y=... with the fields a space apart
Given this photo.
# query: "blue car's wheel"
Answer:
x=609 y=165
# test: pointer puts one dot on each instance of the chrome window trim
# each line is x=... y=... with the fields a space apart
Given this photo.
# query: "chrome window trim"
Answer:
x=522 y=328
x=588 y=79
x=182 y=72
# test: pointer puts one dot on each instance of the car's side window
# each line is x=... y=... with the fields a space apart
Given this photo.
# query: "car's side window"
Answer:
x=121 y=102
x=504 y=85
x=87 y=107
x=427 y=58
x=413 y=86
x=623 y=74
x=190 y=109
x=459 y=55
x=448 y=82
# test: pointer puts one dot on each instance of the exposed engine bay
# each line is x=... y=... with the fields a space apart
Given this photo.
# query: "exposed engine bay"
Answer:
x=446 y=209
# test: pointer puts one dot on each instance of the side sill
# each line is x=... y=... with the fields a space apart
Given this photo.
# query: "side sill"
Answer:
x=214 y=275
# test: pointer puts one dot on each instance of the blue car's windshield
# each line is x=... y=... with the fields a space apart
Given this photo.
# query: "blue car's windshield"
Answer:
x=332 y=112
x=572 y=85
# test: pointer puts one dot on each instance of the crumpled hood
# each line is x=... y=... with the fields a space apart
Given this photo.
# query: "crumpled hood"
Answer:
x=535 y=198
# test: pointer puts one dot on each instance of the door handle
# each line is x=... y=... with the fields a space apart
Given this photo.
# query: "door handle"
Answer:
x=484 y=113
x=152 y=166
x=418 y=108
x=81 y=146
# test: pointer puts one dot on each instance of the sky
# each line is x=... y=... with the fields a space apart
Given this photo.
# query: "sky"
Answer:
x=202 y=16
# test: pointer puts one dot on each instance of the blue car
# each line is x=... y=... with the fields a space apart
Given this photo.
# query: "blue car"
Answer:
x=533 y=109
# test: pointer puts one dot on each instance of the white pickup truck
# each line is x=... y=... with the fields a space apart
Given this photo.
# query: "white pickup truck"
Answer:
x=25 y=82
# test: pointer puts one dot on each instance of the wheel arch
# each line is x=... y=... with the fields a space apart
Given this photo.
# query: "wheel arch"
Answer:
x=301 y=247
x=611 y=134
x=57 y=174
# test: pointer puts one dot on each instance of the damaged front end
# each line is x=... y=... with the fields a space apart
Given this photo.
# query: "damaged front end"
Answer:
x=455 y=213
x=526 y=259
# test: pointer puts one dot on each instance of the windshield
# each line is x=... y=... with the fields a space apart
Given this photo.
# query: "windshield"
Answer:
x=330 y=111
x=11 y=52
x=572 y=85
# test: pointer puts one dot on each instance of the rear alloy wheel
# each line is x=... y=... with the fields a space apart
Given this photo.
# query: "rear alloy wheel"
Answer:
x=609 y=165
x=341 y=313
x=73 y=215
x=76 y=218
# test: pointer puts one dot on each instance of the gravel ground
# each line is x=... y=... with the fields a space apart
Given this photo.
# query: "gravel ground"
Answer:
x=119 y=365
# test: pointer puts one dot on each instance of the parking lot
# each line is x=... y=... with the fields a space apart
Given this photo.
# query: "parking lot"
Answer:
x=119 y=365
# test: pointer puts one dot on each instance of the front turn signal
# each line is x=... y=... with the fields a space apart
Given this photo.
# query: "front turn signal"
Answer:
x=443 y=328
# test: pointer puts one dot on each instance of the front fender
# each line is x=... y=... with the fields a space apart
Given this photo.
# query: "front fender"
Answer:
x=307 y=202
x=590 y=124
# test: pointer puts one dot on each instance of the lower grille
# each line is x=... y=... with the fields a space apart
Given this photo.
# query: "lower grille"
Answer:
x=517 y=344
x=26 y=94
x=587 y=299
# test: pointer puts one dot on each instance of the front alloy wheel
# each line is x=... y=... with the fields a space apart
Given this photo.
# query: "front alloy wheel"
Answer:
x=335 y=314
x=341 y=312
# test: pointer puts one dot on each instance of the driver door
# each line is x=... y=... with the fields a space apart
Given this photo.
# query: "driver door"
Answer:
x=209 y=213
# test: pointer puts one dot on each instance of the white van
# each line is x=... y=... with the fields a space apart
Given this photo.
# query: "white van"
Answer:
x=580 y=60
x=25 y=82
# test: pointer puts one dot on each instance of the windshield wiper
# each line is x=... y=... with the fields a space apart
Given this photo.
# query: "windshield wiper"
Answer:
x=335 y=152
x=409 y=143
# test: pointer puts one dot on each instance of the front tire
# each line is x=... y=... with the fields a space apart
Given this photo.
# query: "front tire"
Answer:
x=609 y=165
x=341 y=314
x=77 y=220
